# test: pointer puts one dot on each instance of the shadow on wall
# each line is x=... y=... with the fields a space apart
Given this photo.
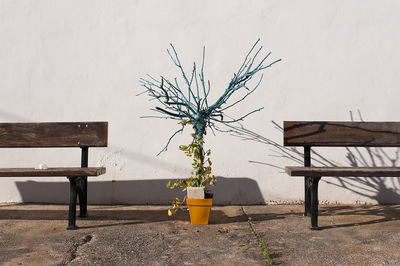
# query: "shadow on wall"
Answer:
x=228 y=191
x=371 y=187
x=7 y=116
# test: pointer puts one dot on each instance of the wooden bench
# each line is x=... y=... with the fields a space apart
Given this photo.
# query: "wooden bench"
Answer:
x=337 y=134
x=56 y=135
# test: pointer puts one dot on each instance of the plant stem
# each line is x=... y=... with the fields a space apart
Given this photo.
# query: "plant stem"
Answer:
x=199 y=133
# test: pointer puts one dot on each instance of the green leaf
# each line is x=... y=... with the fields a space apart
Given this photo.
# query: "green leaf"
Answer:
x=183 y=147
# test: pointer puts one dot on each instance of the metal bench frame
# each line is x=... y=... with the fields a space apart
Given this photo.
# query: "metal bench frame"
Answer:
x=51 y=135
x=337 y=134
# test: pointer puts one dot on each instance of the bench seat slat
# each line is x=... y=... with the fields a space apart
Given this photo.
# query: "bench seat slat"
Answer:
x=56 y=171
x=341 y=134
x=53 y=134
x=343 y=171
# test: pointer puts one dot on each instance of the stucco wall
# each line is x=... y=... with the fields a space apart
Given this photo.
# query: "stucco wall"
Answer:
x=81 y=60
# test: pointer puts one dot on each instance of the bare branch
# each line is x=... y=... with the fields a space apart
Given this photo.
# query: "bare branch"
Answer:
x=173 y=103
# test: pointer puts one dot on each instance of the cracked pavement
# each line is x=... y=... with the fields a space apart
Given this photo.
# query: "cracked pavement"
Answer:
x=33 y=234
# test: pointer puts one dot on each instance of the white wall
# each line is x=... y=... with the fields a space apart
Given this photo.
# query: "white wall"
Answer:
x=81 y=60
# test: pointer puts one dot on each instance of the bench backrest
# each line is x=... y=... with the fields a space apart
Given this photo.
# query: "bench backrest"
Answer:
x=338 y=134
x=71 y=134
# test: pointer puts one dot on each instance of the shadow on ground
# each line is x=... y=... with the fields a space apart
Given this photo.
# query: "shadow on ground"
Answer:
x=360 y=234
x=384 y=212
x=125 y=214
x=118 y=215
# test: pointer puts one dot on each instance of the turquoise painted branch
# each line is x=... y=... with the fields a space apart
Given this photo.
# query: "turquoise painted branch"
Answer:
x=192 y=104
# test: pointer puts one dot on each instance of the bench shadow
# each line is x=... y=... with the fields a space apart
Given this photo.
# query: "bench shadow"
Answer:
x=130 y=215
x=387 y=212
x=371 y=214
x=127 y=215
x=120 y=216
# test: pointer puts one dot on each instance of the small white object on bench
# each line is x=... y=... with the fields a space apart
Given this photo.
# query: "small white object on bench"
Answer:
x=42 y=166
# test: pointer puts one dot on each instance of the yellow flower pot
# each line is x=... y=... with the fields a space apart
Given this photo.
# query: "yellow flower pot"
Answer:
x=199 y=210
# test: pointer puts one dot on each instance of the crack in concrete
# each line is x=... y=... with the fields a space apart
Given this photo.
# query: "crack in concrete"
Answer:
x=261 y=242
x=73 y=250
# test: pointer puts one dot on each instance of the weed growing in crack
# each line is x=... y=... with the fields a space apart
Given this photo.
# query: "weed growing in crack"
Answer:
x=261 y=244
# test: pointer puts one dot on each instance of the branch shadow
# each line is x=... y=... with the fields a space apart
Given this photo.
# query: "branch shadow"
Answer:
x=375 y=188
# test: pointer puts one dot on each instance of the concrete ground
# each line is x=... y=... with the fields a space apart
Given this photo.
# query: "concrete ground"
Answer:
x=145 y=235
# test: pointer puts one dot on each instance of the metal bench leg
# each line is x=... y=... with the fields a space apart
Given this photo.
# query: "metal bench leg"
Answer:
x=314 y=203
x=72 y=203
x=82 y=196
x=307 y=195
x=307 y=182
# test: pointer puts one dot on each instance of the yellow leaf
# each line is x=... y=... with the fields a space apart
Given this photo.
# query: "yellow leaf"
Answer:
x=183 y=147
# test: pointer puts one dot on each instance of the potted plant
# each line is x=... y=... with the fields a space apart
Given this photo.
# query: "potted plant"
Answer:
x=187 y=102
x=199 y=198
